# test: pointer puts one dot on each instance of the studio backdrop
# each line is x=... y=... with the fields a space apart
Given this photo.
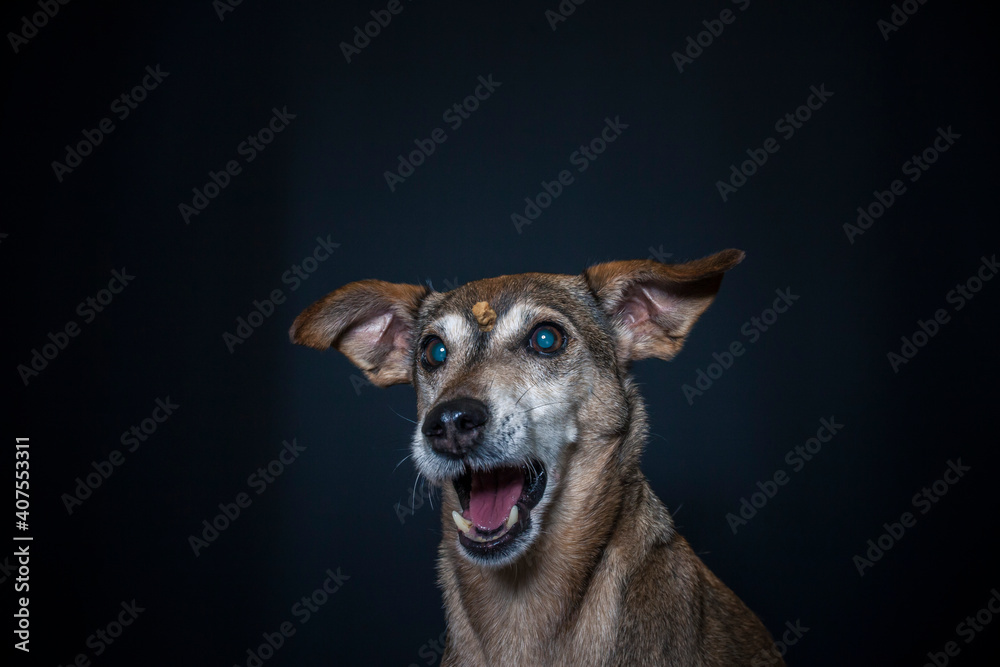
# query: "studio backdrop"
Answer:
x=181 y=179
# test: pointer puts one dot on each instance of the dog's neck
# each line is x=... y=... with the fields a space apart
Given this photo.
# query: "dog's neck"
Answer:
x=602 y=505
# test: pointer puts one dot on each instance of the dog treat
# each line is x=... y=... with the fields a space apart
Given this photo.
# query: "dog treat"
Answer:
x=485 y=315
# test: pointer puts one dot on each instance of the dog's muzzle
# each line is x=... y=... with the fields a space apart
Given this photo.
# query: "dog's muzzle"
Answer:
x=497 y=500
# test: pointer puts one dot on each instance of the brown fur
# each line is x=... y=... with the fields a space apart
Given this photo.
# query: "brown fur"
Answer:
x=604 y=580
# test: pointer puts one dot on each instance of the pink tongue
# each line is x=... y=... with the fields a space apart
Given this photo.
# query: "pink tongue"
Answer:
x=493 y=494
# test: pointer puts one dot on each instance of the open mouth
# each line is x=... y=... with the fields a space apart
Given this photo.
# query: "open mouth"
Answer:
x=496 y=506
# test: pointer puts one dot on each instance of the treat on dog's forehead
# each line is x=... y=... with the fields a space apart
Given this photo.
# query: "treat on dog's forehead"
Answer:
x=485 y=315
x=554 y=550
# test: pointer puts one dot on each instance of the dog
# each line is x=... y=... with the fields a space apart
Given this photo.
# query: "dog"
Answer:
x=555 y=550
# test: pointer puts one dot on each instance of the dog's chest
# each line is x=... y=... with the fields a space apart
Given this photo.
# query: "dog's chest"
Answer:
x=536 y=627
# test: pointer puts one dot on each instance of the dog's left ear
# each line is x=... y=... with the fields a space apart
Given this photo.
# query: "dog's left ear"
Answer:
x=654 y=305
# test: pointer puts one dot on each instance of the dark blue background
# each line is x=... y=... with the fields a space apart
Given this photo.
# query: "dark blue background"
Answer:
x=653 y=188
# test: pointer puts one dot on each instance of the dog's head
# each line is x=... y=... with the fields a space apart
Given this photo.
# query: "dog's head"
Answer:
x=516 y=377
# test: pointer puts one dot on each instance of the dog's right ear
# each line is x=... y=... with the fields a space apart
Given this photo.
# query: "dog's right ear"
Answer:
x=371 y=321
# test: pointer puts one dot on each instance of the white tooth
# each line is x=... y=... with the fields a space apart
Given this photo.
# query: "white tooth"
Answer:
x=512 y=519
x=463 y=524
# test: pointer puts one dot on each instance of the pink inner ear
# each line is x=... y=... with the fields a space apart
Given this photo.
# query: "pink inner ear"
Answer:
x=371 y=341
x=386 y=333
x=642 y=303
x=380 y=344
x=370 y=331
x=401 y=335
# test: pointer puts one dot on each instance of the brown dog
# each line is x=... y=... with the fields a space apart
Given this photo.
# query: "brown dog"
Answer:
x=555 y=550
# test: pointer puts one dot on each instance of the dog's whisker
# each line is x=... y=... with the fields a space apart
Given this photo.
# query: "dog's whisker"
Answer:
x=401 y=416
x=541 y=406
x=401 y=461
x=526 y=462
x=525 y=392
x=413 y=493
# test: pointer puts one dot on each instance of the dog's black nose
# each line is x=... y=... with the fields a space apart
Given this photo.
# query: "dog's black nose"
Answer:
x=455 y=427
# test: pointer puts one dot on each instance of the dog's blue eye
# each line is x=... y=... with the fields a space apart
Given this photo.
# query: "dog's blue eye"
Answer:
x=435 y=352
x=546 y=338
